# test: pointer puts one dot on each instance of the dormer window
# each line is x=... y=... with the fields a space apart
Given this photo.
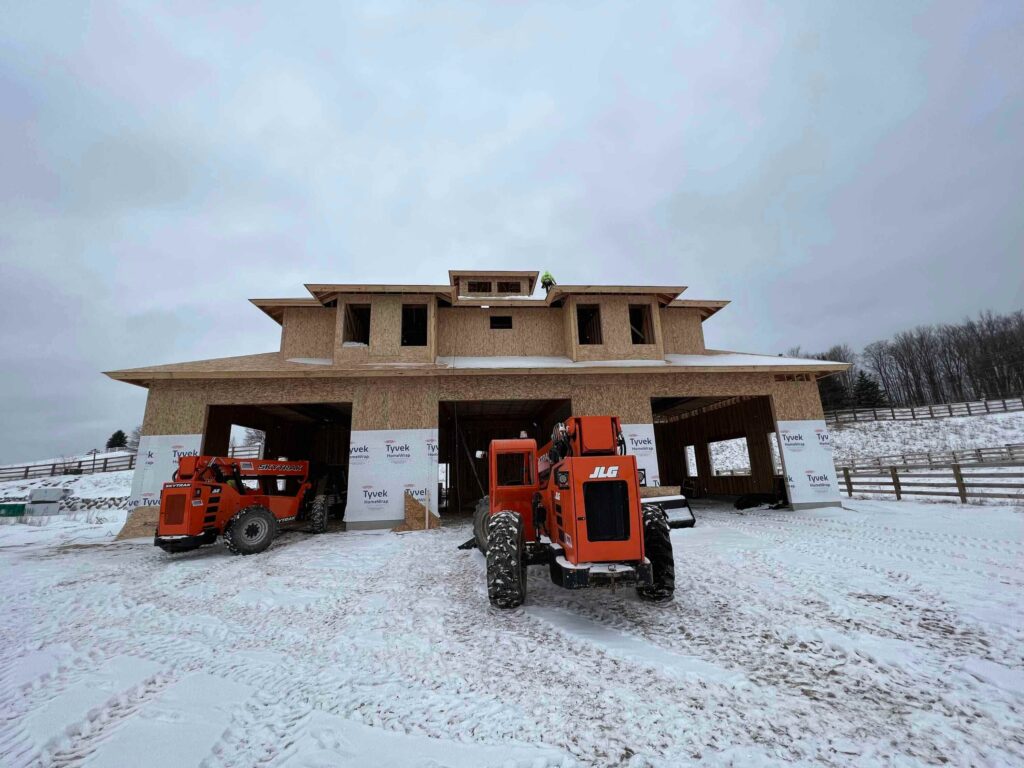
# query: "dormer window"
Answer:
x=479 y=286
x=508 y=287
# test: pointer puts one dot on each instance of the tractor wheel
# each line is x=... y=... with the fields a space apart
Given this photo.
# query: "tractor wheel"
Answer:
x=318 y=514
x=320 y=509
x=481 y=518
x=658 y=548
x=506 y=571
x=250 y=531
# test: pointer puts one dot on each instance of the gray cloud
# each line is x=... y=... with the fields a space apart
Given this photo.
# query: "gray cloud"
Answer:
x=839 y=171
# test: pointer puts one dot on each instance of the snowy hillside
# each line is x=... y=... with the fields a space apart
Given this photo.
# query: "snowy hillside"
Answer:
x=880 y=438
x=880 y=634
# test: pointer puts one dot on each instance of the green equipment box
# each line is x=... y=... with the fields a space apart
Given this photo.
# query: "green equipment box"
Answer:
x=12 y=509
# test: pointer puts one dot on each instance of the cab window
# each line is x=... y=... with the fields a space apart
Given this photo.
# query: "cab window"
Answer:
x=514 y=469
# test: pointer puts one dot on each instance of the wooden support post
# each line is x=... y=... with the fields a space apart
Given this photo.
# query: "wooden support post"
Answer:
x=896 y=483
x=959 y=477
x=849 y=485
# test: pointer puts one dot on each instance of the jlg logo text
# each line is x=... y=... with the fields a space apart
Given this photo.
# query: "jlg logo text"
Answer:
x=604 y=472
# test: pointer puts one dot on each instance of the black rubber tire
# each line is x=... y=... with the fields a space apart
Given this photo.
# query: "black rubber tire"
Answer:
x=481 y=519
x=658 y=549
x=250 y=531
x=506 y=571
x=319 y=514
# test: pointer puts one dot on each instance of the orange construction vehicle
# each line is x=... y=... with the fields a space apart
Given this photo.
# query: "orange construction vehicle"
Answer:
x=573 y=505
x=244 y=500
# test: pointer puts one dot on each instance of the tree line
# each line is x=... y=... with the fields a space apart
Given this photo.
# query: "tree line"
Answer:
x=976 y=359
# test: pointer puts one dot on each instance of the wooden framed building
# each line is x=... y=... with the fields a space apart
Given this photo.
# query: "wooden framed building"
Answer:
x=395 y=381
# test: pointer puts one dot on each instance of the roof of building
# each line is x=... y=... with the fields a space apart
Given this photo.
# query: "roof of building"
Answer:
x=275 y=307
x=494 y=274
x=664 y=293
x=272 y=365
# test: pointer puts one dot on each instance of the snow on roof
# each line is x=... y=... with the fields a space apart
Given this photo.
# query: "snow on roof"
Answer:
x=712 y=359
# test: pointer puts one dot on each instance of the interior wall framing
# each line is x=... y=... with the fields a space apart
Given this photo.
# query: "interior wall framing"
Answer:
x=750 y=418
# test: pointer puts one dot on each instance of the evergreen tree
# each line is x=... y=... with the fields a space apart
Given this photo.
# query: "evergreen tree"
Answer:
x=867 y=393
x=117 y=440
x=833 y=392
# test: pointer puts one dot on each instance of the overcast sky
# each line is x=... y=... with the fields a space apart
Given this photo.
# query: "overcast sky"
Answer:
x=840 y=171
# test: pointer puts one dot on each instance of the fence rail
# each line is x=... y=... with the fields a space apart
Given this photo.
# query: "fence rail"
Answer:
x=991 y=480
x=918 y=412
x=86 y=466
x=1010 y=452
x=90 y=466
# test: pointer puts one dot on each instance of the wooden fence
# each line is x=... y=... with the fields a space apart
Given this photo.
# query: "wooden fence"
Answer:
x=89 y=466
x=993 y=480
x=86 y=466
x=1010 y=452
x=914 y=413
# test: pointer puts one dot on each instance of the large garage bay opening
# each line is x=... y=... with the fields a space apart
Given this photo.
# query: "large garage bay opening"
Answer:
x=468 y=426
x=717 y=446
x=314 y=432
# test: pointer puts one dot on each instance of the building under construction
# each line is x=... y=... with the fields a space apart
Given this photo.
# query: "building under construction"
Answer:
x=402 y=384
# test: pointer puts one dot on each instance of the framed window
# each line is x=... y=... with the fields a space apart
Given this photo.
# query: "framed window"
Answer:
x=641 y=330
x=508 y=287
x=414 y=325
x=501 y=322
x=357 y=324
x=588 y=323
x=479 y=286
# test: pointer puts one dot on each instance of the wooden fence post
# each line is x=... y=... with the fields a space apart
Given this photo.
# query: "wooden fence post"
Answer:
x=53 y=469
x=896 y=483
x=987 y=409
x=959 y=477
x=26 y=474
x=849 y=485
x=950 y=407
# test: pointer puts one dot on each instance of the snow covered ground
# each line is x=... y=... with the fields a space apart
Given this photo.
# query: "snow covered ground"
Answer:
x=103 y=485
x=884 y=633
x=881 y=438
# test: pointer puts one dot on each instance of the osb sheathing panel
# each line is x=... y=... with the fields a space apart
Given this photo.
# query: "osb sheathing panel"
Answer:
x=179 y=407
x=683 y=331
x=616 y=339
x=466 y=332
x=308 y=332
x=386 y=330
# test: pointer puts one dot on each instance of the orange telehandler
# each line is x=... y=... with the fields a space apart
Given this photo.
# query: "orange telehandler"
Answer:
x=574 y=505
x=244 y=500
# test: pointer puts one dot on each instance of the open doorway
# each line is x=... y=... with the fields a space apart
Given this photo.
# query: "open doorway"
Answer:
x=315 y=432
x=468 y=426
x=717 y=446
